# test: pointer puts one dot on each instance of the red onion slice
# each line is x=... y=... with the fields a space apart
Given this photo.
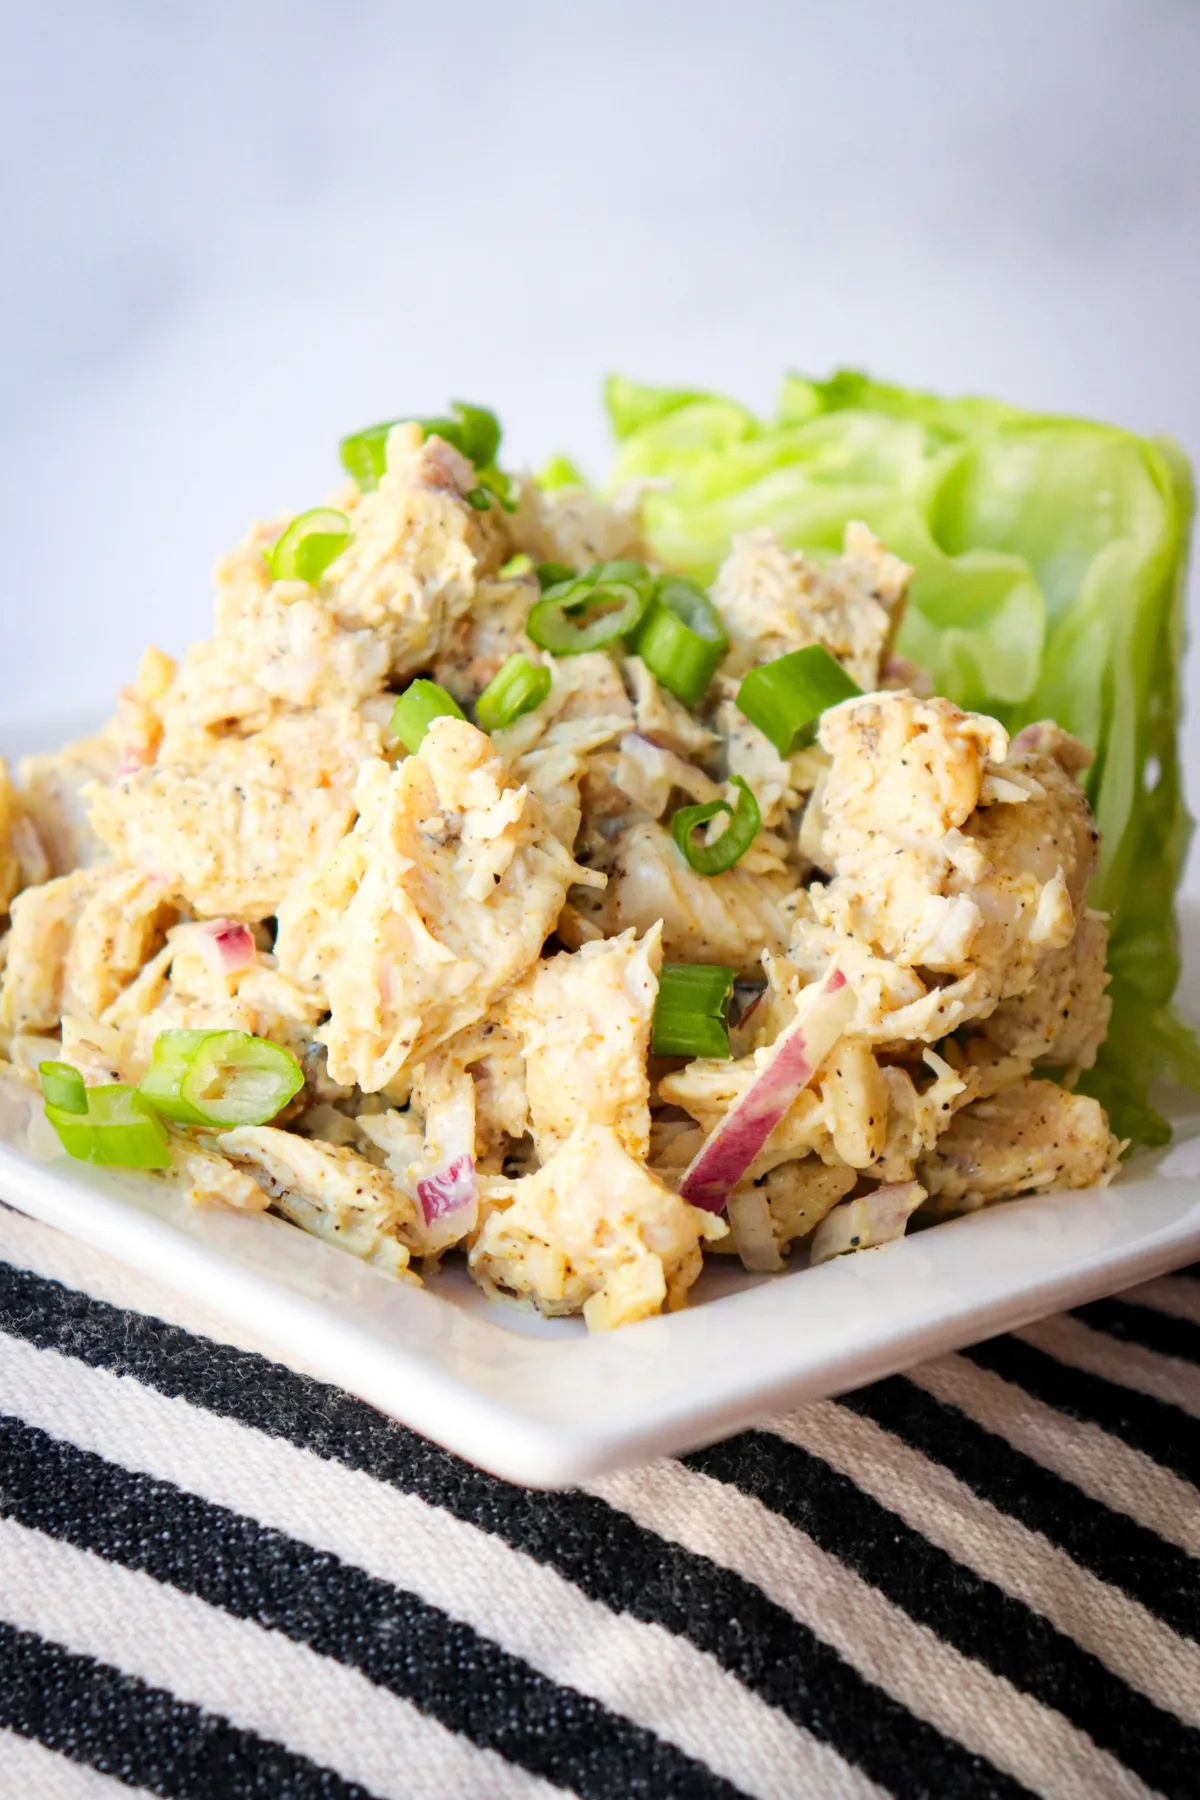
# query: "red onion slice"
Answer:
x=225 y=946
x=449 y=1202
x=876 y=1218
x=823 y=1013
x=449 y=1189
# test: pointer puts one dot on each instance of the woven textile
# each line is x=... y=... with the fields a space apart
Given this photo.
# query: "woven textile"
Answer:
x=220 y=1577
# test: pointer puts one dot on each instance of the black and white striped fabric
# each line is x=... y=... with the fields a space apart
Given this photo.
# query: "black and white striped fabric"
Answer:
x=221 y=1577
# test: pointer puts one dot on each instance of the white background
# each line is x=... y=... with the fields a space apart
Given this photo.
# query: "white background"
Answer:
x=232 y=231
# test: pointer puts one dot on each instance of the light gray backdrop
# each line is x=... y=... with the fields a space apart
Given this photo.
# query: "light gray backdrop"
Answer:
x=232 y=231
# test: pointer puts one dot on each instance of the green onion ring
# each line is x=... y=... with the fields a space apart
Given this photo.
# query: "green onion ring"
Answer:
x=734 y=841
x=308 y=546
x=517 y=689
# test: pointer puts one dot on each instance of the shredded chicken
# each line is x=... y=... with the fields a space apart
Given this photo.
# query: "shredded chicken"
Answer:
x=1031 y=1137
x=547 y=1241
x=773 y=600
x=583 y=1022
x=430 y=909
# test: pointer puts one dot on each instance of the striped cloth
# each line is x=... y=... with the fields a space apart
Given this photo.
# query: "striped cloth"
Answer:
x=222 y=1577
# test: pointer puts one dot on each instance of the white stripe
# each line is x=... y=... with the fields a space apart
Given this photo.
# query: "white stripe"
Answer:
x=660 y=1681
x=260 y=1680
x=1128 y=1365
x=952 y=1692
x=28 y=1244
x=28 y=1771
x=1177 y=1295
x=1103 y=1466
x=1119 y=1631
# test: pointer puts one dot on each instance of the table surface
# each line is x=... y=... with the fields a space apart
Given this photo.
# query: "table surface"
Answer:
x=220 y=1577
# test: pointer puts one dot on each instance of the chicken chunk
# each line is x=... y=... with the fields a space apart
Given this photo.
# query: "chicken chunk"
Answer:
x=799 y=1194
x=730 y=918
x=231 y=830
x=570 y=525
x=780 y=784
x=1031 y=1137
x=665 y=720
x=43 y=924
x=774 y=600
x=121 y=925
x=180 y=990
x=23 y=861
x=331 y=1192
x=951 y=857
x=51 y=785
x=583 y=1021
x=593 y=1232
x=428 y=912
x=486 y=636
x=410 y=570
x=1063 y=1016
x=210 y=1179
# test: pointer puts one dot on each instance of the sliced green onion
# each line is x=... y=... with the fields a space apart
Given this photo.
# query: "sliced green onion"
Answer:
x=119 y=1130
x=364 y=455
x=162 y=1084
x=681 y=639
x=472 y=430
x=518 y=688
x=479 y=498
x=590 y=610
x=734 y=841
x=624 y=570
x=785 y=698
x=560 y=472
x=416 y=709
x=478 y=433
x=219 y=1078
x=552 y=573
x=62 y=1086
x=495 y=481
x=309 y=545
x=236 y=1079
x=691 y=1009
x=516 y=566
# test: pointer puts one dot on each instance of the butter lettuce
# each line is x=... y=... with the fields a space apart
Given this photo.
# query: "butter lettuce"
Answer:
x=1050 y=556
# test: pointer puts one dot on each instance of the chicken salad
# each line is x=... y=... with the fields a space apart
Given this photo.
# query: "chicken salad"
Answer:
x=484 y=885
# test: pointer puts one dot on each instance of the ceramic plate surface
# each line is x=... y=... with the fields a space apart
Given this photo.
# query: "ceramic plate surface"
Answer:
x=542 y=1402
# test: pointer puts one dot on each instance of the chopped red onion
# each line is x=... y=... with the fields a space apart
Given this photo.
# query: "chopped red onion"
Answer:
x=225 y=946
x=449 y=1189
x=876 y=1218
x=823 y=1012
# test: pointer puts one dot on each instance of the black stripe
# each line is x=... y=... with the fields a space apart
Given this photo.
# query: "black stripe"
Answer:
x=964 y=1609
x=397 y=1640
x=142 y=1735
x=598 y=1548
x=1135 y=1324
x=1158 y=1574
x=1159 y=1431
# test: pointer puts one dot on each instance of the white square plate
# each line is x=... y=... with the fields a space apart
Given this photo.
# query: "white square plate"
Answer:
x=543 y=1403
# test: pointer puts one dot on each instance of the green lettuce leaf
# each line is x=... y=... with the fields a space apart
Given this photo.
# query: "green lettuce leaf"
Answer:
x=1050 y=556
